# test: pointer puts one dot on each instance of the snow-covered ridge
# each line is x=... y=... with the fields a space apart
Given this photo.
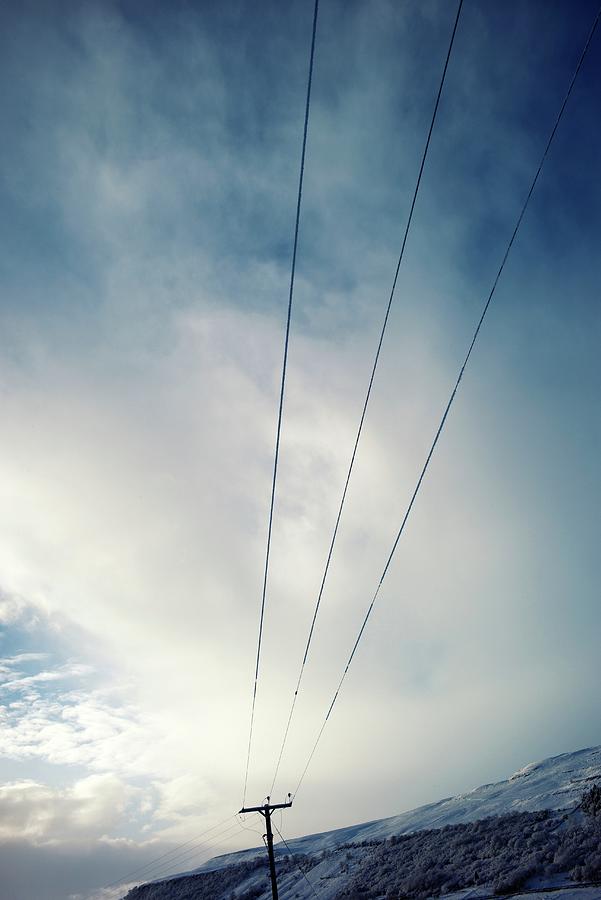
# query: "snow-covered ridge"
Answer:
x=555 y=783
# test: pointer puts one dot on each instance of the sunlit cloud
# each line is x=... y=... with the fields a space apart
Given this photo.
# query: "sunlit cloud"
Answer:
x=90 y=807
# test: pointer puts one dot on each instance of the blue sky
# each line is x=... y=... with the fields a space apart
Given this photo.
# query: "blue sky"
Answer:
x=149 y=168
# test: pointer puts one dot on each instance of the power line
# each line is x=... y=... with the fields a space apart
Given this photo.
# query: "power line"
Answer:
x=455 y=389
x=174 y=853
x=167 y=853
x=282 y=388
x=184 y=860
x=303 y=873
x=368 y=395
x=241 y=822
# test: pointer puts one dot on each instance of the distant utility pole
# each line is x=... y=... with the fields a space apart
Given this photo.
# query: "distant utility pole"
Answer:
x=265 y=811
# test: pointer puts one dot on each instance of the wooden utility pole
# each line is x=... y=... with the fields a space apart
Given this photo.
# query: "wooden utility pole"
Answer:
x=265 y=811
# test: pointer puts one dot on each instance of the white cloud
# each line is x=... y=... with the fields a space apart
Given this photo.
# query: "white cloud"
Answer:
x=89 y=808
x=71 y=670
x=11 y=608
x=76 y=728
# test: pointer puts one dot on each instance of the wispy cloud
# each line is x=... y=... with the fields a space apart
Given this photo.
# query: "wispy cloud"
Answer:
x=17 y=681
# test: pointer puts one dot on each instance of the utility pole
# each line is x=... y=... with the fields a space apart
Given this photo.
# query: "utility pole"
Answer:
x=265 y=811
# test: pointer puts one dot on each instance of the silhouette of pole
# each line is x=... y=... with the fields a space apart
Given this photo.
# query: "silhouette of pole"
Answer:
x=266 y=811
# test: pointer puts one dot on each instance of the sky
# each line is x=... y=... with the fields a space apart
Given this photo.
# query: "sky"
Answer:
x=149 y=162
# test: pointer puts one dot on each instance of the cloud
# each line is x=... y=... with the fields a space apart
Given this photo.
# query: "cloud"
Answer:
x=75 y=727
x=181 y=797
x=11 y=609
x=72 y=670
x=89 y=808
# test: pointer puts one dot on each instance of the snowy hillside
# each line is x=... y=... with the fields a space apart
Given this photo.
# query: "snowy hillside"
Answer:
x=554 y=783
x=495 y=838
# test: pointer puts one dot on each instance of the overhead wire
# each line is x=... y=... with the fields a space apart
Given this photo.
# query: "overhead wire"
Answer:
x=455 y=388
x=242 y=822
x=282 y=390
x=166 y=869
x=174 y=854
x=303 y=873
x=367 y=396
x=169 y=852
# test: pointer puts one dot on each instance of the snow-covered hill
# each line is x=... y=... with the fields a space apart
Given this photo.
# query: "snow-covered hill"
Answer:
x=335 y=862
x=555 y=783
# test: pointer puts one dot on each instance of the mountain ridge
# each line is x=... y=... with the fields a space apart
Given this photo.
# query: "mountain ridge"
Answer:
x=556 y=782
x=539 y=829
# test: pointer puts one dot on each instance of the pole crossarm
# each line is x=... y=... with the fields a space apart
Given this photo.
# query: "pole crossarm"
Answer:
x=266 y=806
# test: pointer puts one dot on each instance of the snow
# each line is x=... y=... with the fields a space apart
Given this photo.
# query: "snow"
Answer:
x=555 y=783
x=573 y=892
